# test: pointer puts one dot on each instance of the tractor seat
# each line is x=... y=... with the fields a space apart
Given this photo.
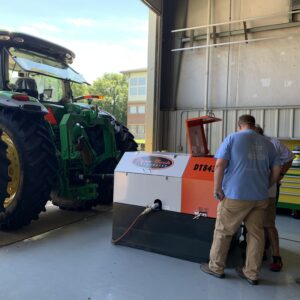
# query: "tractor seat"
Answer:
x=28 y=86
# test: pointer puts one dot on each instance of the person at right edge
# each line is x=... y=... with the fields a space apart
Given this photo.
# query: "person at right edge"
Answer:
x=247 y=164
x=286 y=159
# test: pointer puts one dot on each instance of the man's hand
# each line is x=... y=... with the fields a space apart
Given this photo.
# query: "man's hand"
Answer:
x=219 y=195
x=218 y=178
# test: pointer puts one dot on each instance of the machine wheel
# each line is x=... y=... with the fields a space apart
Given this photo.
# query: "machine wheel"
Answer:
x=31 y=167
x=125 y=142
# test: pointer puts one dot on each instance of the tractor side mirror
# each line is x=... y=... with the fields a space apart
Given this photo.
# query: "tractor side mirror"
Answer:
x=47 y=94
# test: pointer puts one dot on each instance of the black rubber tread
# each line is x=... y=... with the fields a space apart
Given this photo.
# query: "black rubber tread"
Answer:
x=124 y=142
x=4 y=179
x=124 y=138
x=95 y=135
x=38 y=166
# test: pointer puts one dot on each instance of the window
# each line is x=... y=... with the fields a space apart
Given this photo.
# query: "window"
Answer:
x=52 y=84
x=137 y=86
x=132 y=129
x=142 y=90
x=295 y=5
x=132 y=109
x=133 y=91
x=140 y=129
x=137 y=130
x=141 y=109
x=142 y=81
x=34 y=84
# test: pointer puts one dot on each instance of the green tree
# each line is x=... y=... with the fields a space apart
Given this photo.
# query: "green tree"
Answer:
x=79 y=89
x=114 y=88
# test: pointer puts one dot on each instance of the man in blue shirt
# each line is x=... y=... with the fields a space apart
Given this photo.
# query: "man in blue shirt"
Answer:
x=247 y=164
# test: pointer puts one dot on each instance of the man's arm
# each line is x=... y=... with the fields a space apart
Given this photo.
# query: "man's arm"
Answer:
x=284 y=168
x=220 y=167
x=274 y=175
x=286 y=157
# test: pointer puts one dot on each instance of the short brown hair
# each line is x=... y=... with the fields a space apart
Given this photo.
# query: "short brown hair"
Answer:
x=246 y=120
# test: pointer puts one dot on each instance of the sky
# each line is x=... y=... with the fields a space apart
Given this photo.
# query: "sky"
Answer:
x=106 y=36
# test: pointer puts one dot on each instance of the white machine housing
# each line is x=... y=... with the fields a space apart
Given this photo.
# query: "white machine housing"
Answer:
x=142 y=177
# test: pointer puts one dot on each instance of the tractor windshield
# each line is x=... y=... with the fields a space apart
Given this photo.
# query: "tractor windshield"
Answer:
x=39 y=76
x=37 y=63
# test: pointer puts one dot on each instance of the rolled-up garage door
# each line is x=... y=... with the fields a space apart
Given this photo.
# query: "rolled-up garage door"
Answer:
x=155 y=5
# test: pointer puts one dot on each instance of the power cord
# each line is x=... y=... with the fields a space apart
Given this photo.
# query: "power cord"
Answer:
x=157 y=205
x=290 y=240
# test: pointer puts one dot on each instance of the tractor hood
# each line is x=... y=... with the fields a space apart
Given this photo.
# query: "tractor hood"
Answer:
x=22 y=102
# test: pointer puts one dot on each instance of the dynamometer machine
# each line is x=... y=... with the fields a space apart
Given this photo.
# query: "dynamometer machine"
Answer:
x=163 y=202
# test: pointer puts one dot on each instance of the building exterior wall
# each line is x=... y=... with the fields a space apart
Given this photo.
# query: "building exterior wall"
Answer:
x=136 y=110
x=261 y=78
x=136 y=118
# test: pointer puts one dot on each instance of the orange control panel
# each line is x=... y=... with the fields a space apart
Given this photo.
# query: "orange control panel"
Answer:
x=197 y=187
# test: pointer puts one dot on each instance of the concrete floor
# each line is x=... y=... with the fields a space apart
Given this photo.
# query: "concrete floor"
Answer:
x=78 y=261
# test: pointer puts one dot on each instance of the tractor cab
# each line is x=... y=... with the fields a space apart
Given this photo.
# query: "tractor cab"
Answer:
x=37 y=68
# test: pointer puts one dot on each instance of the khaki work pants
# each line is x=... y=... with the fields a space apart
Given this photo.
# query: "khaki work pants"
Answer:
x=230 y=215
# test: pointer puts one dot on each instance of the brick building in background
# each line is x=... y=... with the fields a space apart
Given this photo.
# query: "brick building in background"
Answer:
x=137 y=97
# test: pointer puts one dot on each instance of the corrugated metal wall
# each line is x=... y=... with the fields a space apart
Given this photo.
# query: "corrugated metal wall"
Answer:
x=260 y=78
x=283 y=123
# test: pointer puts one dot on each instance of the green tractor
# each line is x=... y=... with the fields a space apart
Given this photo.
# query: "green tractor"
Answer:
x=52 y=147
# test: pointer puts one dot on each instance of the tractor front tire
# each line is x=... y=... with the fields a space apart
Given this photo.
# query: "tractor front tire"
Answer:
x=32 y=167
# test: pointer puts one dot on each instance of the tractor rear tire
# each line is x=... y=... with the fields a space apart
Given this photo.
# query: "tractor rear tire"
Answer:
x=125 y=142
x=4 y=179
x=124 y=138
x=32 y=167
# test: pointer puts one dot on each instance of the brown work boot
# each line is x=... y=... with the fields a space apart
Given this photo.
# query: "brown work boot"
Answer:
x=205 y=268
x=240 y=272
x=276 y=265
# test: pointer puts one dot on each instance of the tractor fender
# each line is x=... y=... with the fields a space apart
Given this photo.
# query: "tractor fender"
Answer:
x=104 y=113
x=33 y=105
